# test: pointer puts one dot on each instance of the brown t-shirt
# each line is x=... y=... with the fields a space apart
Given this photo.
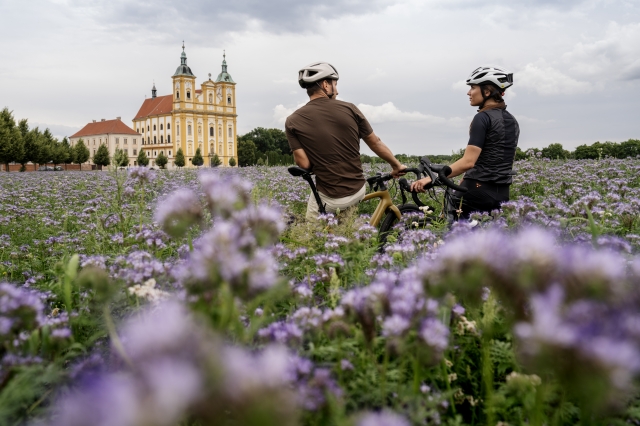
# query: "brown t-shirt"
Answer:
x=329 y=131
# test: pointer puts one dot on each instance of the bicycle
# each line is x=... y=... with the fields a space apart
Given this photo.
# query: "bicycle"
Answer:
x=387 y=214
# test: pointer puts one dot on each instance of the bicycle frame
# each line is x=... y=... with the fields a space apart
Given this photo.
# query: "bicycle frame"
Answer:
x=384 y=204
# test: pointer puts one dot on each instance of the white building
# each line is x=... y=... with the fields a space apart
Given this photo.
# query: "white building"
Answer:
x=112 y=133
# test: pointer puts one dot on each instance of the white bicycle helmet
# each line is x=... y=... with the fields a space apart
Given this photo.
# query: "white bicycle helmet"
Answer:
x=498 y=76
x=315 y=72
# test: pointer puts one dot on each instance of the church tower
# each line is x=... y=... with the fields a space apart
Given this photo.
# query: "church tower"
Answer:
x=184 y=94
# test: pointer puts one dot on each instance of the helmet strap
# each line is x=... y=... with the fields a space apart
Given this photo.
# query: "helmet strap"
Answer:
x=330 y=96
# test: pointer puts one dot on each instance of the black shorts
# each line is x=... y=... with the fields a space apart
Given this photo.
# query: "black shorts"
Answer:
x=481 y=197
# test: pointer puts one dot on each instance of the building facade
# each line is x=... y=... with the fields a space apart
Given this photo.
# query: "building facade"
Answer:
x=191 y=118
x=112 y=133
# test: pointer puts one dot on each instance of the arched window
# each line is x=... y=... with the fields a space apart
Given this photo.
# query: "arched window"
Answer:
x=161 y=126
x=210 y=131
x=177 y=94
x=211 y=149
x=148 y=140
x=220 y=149
x=154 y=127
x=147 y=127
x=161 y=141
x=210 y=98
x=189 y=130
x=230 y=152
x=188 y=94
x=168 y=138
x=229 y=99
x=178 y=129
x=154 y=140
x=220 y=131
x=230 y=132
x=199 y=130
x=168 y=126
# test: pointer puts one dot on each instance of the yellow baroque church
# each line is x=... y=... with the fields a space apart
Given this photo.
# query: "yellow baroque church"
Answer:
x=191 y=118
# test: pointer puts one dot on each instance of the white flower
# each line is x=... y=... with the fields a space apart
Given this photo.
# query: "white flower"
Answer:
x=148 y=291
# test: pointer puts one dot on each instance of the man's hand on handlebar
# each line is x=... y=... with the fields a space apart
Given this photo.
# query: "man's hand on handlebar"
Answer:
x=399 y=171
x=419 y=185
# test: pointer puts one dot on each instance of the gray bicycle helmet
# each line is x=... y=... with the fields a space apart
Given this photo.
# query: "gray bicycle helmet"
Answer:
x=497 y=76
x=315 y=72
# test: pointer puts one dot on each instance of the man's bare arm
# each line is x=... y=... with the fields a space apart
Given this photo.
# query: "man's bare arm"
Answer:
x=301 y=159
x=383 y=151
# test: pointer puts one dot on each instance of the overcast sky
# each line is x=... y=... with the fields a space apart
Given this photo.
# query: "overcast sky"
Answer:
x=576 y=63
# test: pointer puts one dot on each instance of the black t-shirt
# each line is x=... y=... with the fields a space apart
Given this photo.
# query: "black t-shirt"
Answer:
x=478 y=129
x=329 y=131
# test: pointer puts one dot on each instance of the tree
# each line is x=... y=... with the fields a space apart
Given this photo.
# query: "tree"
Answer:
x=520 y=154
x=232 y=161
x=81 y=152
x=215 y=160
x=162 y=160
x=555 y=152
x=11 y=146
x=246 y=152
x=197 y=159
x=28 y=144
x=179 y=162
x=120 y=159
x=143 y=160
x=266 y=140
x=101 y=158
x=60 y=152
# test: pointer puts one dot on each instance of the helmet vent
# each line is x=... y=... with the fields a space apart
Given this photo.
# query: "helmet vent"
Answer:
x=481 y=75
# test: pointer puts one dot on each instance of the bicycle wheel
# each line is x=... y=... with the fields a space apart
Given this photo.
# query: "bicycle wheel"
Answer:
x=390 y=220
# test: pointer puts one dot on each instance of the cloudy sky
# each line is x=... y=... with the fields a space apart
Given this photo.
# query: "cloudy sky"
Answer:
x=576 y=63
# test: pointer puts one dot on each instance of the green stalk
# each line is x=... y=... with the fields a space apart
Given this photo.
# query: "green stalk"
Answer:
x=115 y=339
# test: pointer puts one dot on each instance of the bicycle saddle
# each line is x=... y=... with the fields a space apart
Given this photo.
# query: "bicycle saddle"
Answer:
x=298 y=171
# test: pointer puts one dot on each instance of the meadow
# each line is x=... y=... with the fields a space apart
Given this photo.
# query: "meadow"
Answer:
x=188 y=297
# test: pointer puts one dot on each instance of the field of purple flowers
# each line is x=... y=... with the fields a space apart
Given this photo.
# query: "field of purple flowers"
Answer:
x=202 y=298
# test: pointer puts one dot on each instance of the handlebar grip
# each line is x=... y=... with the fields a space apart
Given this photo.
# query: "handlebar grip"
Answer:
x=442 y=176
x=404 y=184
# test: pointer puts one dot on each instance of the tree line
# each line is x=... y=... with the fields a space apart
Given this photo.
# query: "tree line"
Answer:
x=21 y=144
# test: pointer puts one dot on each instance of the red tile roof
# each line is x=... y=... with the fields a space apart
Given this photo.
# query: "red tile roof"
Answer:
x=105 y=127
x=155 y=106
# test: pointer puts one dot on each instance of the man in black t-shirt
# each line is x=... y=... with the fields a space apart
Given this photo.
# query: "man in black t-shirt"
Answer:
x=493 y=137
x=325 y=135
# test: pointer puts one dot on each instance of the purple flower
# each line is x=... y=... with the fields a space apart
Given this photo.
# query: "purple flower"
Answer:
x=435 y=335
x=178 y=211
x=382 y=418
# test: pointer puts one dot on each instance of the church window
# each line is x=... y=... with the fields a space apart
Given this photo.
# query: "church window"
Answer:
x=220 y=149
x=210 y=131
x=117 y=141
x=160 y=126
x=220 y=131
x=169 y=153
x=229 y=99
x=162 y=152
x=211 y=148
x=230 y=149
x=147 y=127
x=154 y=140
x=168 y=138
x=178 y=130
x=210 y=98
x=177 y=94
x=161 y=141
x=135 y=152
x=189 y=130
x=230 y=132
x=188 y=94
x=134 y=141
x=148 y=140
x=125 y=141
x=154 y=127
x=168 y=126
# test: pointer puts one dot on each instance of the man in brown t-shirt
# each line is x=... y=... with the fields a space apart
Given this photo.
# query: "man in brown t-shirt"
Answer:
x=325 y=135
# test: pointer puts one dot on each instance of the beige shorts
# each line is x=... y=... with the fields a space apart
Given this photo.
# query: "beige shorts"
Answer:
x=333 y=204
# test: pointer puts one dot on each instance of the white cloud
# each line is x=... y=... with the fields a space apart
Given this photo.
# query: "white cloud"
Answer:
x=280 y=112
x=547 y=80
x=388 y=112
x=613 y=57
x=377 y=75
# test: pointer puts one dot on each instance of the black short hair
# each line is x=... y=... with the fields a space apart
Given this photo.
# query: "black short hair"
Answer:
x=314 y=88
